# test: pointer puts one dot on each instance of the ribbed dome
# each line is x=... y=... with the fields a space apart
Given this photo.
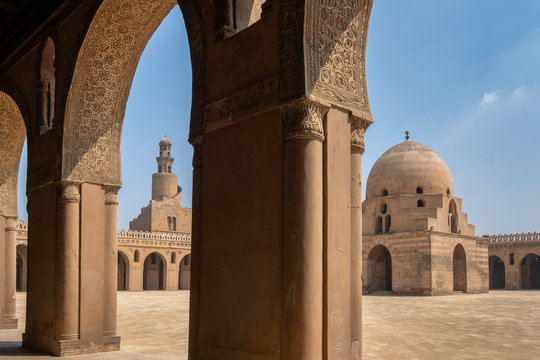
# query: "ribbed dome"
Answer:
x=407 y=166
x=165 y=141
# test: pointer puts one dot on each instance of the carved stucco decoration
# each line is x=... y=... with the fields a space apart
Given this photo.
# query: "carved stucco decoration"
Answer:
x=111 y=195
x=335 y=48
x=12 y=134
x=256 y=97
x=11 y=223
x=69 y=192
x=358 y=131
x=100 y=87
x=303 y=118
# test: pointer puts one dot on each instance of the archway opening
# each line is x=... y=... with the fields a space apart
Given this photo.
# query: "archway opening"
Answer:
x=154 y=272
x=379 y=269
x=184 y=273
x=530 y=271
x=497 y=273
x=123 y=271
x=21 y=267
x=459 y=263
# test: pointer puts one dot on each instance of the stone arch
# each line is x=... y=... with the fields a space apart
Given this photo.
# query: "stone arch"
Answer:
x=459 y=265
x=124 y=271
x=12 y=135
x=529 y=270
x=184 y=272
x=155 y=271
x=497 y=273
x=102 y=79
x=22 y=266
x=379 y=269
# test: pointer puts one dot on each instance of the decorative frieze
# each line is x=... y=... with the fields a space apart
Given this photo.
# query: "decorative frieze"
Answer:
x=303 y=118
x=253 y=98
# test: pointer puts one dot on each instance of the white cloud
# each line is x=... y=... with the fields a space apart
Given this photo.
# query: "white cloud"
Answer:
x=491 y=97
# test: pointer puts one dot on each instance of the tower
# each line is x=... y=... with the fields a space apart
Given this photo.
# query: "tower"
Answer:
x=164 y=182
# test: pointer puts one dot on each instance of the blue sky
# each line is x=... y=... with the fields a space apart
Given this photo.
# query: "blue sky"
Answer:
x=463 y=77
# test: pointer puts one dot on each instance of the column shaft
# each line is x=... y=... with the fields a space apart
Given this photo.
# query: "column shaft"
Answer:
x=67 y=264
x=111 y=261
x=10 y=305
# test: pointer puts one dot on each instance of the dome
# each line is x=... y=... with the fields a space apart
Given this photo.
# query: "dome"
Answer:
x=406 y=168
x=165 y=141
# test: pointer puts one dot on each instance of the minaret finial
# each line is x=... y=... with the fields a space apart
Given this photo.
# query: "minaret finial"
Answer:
x=407 y=135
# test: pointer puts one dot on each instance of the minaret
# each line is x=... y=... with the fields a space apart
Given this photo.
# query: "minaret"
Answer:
x=164 y=182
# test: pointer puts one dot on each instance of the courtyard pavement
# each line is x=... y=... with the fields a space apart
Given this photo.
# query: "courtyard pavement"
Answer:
x=502 y=325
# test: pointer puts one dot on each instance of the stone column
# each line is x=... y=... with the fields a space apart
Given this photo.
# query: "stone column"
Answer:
x=358 y=129
x=67 y=263
x=194 y=302
x=10 y=305
x=111 y=260
x=303 y=230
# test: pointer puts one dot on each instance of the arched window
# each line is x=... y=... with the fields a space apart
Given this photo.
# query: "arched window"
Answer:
x=174 y=223
x=419 y=190
x=173 y=258
x=169 y=223
x=46 y=87
x=511 y=258
x=384 y=192
x=452 y=216
x=383 y=219
x=448 y=191
x=136 y=256
x=421 y=203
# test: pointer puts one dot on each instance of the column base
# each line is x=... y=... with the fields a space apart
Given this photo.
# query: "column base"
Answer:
x=9 y=323
x=68 y=347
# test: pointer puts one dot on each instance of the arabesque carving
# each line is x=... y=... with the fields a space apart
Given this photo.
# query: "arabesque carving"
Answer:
x=12 y=134
x=303 y=118
x=358 y=131
x=335 y=48
x=100 y=87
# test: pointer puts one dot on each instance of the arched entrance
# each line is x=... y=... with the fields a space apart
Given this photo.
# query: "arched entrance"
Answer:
x=459 y=262
x=530 y=272
x=21 y=268
x=154 y=272
x=497 y=273
x=379 y=269
x=123 y=271
x=184 y=273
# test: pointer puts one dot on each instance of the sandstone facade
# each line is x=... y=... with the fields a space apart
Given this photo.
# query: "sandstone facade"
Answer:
x=416 y=239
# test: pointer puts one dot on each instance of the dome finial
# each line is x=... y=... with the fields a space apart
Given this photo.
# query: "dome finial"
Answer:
x=406 y=134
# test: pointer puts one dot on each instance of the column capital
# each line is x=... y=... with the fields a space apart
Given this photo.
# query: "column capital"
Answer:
x=303 y=118
x=69 y=192
x=11 y=223
x=197 y=144
x=358 y=130
x=111 y=194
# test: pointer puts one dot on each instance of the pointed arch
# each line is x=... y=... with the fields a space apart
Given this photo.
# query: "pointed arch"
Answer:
x=379 y=269
x=155 y=271
x=459 y=265
x=497 y=273
x=124 y=271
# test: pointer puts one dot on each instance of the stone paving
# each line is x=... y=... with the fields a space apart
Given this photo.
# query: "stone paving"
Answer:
x=502 y=325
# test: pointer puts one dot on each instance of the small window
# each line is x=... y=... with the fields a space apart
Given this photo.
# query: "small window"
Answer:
x=387 y=222
x=419 y=190
x=136 y=256
x=511 y=259
x=384 y=192
x=173 y=258
x=174 y=223
x=186 y=260
x=378 y=225
x=421 y=203
x=383 y=209
x=448 y=191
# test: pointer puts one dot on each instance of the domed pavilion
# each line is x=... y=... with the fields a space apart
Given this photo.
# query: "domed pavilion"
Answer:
x=416 y=239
